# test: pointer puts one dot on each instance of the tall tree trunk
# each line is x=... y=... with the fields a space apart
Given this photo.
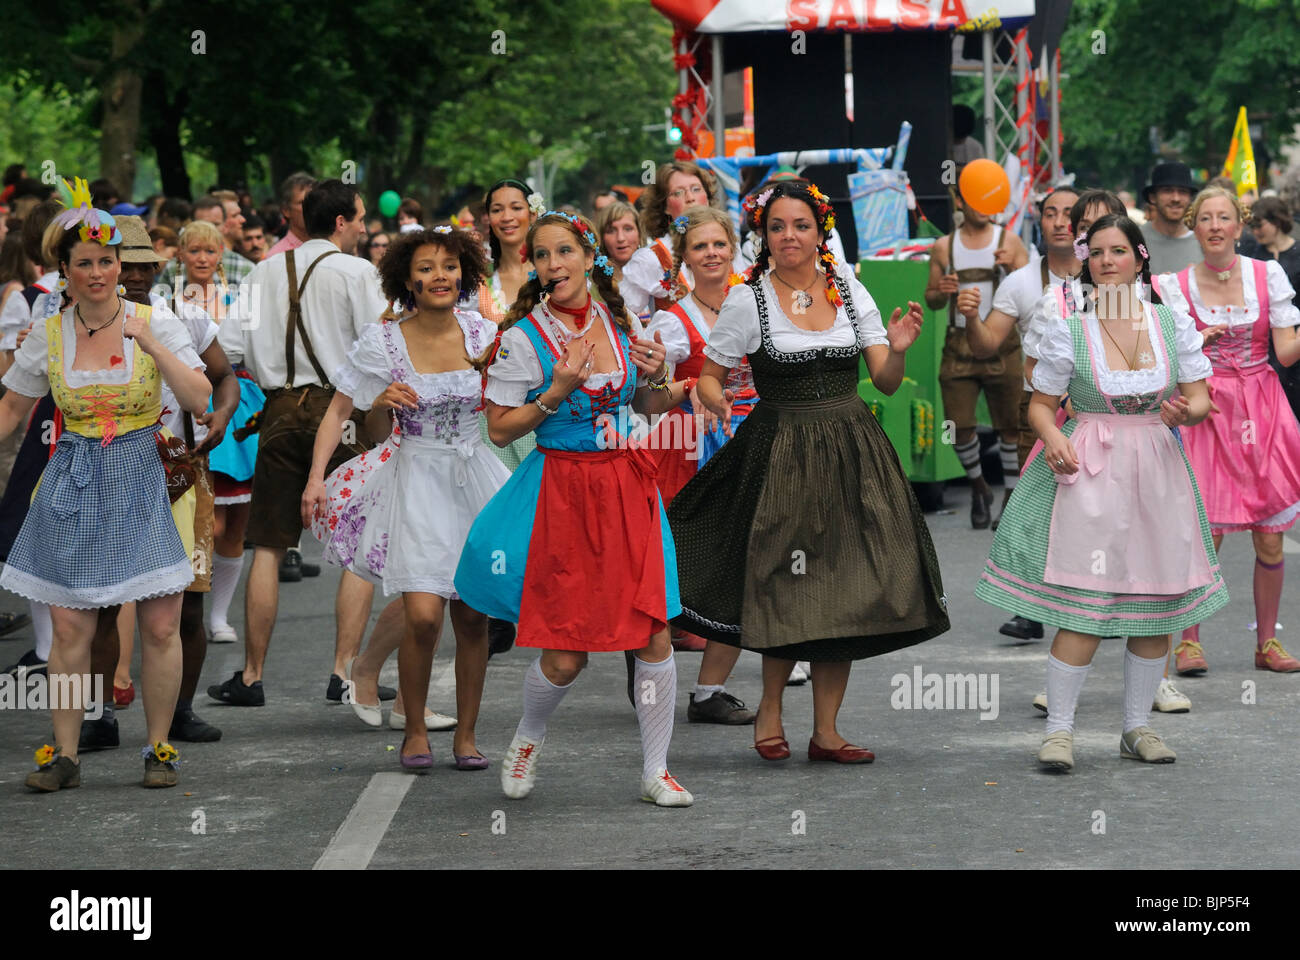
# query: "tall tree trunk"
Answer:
x=162 y=117
x=121 y=103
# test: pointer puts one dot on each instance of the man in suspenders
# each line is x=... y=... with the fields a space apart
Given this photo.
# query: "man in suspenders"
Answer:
x=1014 y=307
x=308 y=306
x=977 y=256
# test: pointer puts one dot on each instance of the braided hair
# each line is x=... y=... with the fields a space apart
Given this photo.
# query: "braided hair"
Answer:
x=654 y=212
x=531 y=292
x=756 y=209
x=681 y=230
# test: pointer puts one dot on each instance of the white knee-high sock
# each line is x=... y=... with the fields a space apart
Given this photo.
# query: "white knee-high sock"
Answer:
x=226 y=572
x=655 y=689
x=1010 y=465
x=541 y=697
x=969 y=455
x=1141 y=681
x=43 y=627
x=1064 y=684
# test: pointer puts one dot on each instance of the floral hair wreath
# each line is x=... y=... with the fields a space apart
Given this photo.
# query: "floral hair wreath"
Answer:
x=583 y=231
x=94 y=225
x=602 y=262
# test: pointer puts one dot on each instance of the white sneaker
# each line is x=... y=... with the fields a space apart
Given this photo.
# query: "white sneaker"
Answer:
x=798 y=676
x=432 y=721
x=519 y=767
x=372 y=715
x=664 y=791
x=224 y=633
x=1040 y=702
x=1170 y=700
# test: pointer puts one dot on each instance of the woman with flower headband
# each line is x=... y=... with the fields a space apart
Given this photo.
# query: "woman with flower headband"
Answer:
x=1106 y=535
x=704 y=240
x=575 y=547
x=801 y=538
x=1247 y=455
x=373 y=514
x=648 y=282
x=103 y=493
x=619 y=230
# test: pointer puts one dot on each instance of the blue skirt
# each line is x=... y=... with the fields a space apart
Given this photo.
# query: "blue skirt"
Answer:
x=100 y=529
x=711 y=442
x=236 y=458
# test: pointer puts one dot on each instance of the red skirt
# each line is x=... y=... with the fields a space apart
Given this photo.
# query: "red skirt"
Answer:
x=602 y=572
x=674 y=445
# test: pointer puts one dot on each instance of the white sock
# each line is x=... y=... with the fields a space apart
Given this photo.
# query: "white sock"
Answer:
x=226 y=572
x=541 y=697
x=1010 y=465
x=703 y=691
x=43 y=627
x=969 y=455
x=655 y=687
x=1064 y=683
x=1141 y=679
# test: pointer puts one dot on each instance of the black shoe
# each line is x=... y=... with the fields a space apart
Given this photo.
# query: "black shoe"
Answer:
x=291 y=566
x=501 y=636
x=309 y=569
x=235 y=693
x=98 y=734
x=334 y=690
x=1021 y=629
x=9 y=622
x=980 y=517
x=28 y=665
x=631 y=678
x=188 y=728
x=719 y=708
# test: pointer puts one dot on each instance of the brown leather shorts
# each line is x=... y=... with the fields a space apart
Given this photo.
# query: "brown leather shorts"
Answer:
x=962 y=376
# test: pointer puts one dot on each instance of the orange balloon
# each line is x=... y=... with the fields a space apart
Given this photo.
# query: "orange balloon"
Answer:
x=984 y=186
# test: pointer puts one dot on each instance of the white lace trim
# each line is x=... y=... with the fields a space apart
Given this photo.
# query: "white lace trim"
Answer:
x=439 y=586
x=156 y=583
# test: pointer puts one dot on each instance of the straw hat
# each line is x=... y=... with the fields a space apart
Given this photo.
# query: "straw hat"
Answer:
x=136 y=246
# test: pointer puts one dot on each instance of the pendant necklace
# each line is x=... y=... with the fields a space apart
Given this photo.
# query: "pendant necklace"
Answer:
x=801 y=299
x=91 y=331
x=1223 y=275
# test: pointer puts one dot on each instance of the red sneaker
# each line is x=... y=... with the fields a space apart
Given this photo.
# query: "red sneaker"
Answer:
x=688 y=641
x=1189 y=659
x=1272 y=657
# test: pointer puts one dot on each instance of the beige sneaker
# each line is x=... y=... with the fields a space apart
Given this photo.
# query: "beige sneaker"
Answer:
x=1040 y=702
x=1170 y=700
x=1057 y=750
x=1143 y=743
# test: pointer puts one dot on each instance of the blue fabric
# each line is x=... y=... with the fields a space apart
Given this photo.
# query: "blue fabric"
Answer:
x=100 y=518
x=711 y=442
x=236 y=459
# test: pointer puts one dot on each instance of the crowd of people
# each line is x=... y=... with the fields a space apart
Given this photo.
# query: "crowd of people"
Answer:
x=445 y=406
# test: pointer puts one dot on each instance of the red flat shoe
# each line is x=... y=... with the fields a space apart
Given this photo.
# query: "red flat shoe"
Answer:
x=845 y=754
x=688 y=642
x=773 y=748
x=123 y=696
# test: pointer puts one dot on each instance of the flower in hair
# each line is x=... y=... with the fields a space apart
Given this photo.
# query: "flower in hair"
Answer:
x=443 y=228
x=1081 y=247
x=735 y=280
x=523 y=253
x=679 y=223
x=829 y=223
x=1142 y=249
x=603 y=263
x=816 y=194
x=532 y=275
x=832 y=290
x=91 y=224
x=536 y=204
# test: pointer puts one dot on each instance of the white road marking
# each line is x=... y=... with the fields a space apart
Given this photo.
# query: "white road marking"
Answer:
x=356 y=841
x=1289 y=545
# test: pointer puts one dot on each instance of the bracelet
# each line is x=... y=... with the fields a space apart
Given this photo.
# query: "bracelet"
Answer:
x=549 y=411
x=660 y=383
x=689 y=384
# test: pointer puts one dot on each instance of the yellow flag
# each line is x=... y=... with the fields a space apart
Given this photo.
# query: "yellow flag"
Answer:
x=1240 y=165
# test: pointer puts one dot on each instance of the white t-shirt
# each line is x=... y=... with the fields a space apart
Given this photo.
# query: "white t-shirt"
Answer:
x=202 y=331
x=1019 y=296
x=1056 y=354
x=737 y=332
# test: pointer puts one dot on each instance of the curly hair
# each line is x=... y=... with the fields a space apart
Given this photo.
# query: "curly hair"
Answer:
x=493 y=243
x=756 y=216
x=654 y=214
x=395 y=270
x=698 y=217
x=531 y=292
x=1132 y=232
x=1209 y=193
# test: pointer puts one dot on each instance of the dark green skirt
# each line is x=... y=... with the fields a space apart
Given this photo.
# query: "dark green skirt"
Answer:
x=801 y=538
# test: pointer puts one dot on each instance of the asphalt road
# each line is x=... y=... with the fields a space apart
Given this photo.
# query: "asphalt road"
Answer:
x=948 y=789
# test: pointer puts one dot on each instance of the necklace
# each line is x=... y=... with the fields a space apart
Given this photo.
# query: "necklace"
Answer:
x=801 y=299
x=91 y=331
x=1222 y=274
x=714 y=309
x=562 y=332
x=1131 y=361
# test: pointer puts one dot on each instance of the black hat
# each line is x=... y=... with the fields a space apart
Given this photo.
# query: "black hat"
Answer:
x=1169 y=175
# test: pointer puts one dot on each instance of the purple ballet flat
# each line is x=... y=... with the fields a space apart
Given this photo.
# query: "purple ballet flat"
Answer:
x=418 y=762
x=471 y=762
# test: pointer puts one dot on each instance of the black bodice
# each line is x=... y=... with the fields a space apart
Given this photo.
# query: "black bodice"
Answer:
x=821 y=374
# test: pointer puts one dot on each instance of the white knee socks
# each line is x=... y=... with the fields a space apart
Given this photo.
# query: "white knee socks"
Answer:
x=1064 y=684
x=969 y=455
x=43 y=627
x=1010 y=464
x=1141 y=681
x=655 y=690
x=541 y=697
x=226 y=572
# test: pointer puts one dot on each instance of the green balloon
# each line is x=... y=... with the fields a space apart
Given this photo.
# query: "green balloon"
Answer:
x=389 y=201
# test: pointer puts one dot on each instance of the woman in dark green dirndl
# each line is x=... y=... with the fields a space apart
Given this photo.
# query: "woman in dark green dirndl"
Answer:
x=801 y=539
